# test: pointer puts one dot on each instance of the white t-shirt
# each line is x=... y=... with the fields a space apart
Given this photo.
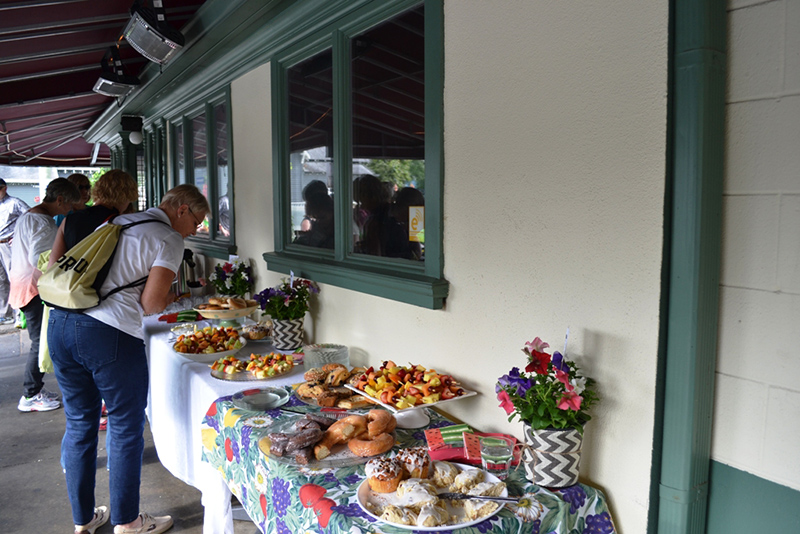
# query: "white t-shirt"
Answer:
x=140 y=248
x=35 y=233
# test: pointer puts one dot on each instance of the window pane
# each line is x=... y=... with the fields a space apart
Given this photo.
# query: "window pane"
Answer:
x=221 y=139
x=200 y=160
x=180 y=154
x=388 y=128
x=310 y=93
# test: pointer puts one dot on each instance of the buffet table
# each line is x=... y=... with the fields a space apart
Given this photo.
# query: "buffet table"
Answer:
x=283 y=498
x=180 y=392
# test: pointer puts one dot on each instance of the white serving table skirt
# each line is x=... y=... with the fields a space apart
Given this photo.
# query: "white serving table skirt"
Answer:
x=181 y=391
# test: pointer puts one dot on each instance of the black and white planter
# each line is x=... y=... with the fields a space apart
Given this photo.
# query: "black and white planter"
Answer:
x=287 y=334
x=552 y=457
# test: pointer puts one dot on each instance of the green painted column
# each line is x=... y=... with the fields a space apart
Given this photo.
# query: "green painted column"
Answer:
x=697 y=145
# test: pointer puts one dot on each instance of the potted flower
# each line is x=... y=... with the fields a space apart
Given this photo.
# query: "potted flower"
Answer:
x=287 y=304
x=232 y=278
x=552 y=399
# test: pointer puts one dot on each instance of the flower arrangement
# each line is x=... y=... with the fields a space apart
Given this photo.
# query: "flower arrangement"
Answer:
x=550 y=393
x=288 y=300
x=232 y=278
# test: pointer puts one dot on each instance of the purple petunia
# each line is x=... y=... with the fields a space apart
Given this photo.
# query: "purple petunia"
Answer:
x=559 y=363
x=513 y=379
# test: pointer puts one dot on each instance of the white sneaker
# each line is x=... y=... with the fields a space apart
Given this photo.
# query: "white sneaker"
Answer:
x=49 y=394
x=37 y=403
x=150 y=525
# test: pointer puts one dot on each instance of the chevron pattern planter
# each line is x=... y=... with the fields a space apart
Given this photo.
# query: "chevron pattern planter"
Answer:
x=552 y=458
x=287 y=334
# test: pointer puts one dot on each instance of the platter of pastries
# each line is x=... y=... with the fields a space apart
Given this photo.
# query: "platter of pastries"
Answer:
x=330 y=441
x=399 y=388
x=257 y=367
x=226 y=308
x=406 y=491
x=326 y=387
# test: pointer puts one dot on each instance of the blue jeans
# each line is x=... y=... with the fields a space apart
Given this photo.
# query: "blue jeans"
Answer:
x=94 y=361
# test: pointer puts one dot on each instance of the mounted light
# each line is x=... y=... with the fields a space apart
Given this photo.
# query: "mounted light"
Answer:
x=149 y=33
x=113 y=81
x=133 y=125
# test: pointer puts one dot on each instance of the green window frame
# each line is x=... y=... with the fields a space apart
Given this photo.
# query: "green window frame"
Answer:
x=155 y=163
x=418 y=283
x=204 y=171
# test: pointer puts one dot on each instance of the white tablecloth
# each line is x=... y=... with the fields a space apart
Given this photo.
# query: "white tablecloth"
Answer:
x=181 y=391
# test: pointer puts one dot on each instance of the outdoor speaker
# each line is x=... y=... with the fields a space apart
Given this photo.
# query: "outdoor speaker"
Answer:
x=149 y=33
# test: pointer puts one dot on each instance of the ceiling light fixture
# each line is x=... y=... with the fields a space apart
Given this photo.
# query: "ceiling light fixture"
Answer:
x=149 y=33
x=113 y=81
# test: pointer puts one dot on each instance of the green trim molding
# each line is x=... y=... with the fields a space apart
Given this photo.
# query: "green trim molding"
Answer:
x=742 y=503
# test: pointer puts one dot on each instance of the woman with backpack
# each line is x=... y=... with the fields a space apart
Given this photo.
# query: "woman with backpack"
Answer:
x=100 y=354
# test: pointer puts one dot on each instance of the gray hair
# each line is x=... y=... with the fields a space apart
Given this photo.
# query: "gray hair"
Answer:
x=186 y=194
x=61 y=187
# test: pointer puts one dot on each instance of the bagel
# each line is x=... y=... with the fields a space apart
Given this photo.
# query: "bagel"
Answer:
x=236 y=303
x=371 y=447
x=340 y=432
x=218 y=301
x=378 y=422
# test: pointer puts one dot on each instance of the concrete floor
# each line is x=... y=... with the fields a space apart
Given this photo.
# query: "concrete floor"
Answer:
x=33 y=495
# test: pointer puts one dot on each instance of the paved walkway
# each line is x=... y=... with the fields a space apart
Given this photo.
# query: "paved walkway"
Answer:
x=33 y=496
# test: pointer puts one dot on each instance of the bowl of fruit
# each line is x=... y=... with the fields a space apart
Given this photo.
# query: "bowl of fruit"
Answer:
x=258 y=367
x=209 y=344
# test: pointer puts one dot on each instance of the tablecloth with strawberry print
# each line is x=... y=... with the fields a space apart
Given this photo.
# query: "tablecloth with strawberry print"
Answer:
x=283 y=498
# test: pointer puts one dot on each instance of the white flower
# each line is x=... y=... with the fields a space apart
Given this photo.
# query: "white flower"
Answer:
x=579 y=384
x=527 y=508
x=261 y=478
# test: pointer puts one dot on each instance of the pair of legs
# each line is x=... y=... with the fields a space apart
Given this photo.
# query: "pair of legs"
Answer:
x=5 y=286
x=94 y=361
x=33 y=381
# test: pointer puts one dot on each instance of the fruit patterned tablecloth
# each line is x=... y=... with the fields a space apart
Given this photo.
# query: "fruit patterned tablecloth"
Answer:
x=282 y=498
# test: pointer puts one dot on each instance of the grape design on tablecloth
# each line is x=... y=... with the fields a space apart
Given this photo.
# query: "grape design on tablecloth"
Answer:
x=351 y=479
x=351 y=510
x=246 y=431
x=244 y=493
x=235 y=449
x=281 y=527
x=280 y=496
x=599 y=524
x=575 y=496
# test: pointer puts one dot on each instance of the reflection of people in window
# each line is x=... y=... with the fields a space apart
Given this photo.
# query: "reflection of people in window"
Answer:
x=319 y=214
x=225 y=215
x=406 y=198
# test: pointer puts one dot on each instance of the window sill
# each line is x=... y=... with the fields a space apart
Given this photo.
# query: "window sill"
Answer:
x=416 y=289
x=220 y=251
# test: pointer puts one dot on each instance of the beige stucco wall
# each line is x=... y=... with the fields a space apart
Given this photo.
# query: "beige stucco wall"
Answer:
x=756 y=427
x=554 y=153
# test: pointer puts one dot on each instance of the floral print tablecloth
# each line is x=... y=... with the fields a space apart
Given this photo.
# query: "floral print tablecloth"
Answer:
x=283 y=498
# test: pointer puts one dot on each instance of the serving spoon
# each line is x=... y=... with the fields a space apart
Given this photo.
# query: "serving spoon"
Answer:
x=462 y=496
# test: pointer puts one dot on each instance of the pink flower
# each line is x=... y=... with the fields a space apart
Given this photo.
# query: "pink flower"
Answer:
x=227 y=267
x=539 y=361
x=570 y=400
x=536 y=345
x=505 y=401
x=563 y=377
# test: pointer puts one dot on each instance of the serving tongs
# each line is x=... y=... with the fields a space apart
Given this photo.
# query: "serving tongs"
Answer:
x=462 y=496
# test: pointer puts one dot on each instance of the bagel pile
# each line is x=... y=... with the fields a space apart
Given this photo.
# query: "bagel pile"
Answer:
x=227 y=303
x=324 y=386
x=316 y=436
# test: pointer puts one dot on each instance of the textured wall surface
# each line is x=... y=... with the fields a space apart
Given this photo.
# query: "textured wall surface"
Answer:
x=756 y=423
x=555 y=135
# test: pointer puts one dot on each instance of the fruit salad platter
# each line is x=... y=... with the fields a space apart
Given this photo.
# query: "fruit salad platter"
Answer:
x=258 y=367
x=209 y=343
x=405 y=389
